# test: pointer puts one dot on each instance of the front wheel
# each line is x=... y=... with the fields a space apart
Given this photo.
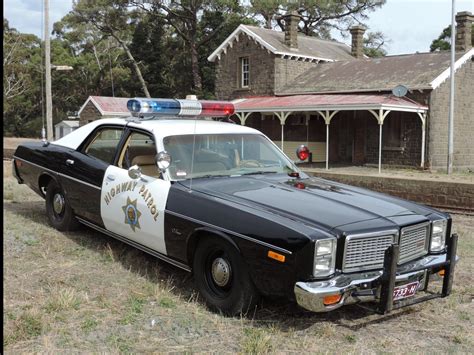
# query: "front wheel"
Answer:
x=222 y=278
x=59 y=212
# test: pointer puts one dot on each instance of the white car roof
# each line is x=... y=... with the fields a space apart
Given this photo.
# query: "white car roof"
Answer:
x=160 y=127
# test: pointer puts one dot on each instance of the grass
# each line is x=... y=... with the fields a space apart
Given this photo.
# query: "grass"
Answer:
x=84 y=292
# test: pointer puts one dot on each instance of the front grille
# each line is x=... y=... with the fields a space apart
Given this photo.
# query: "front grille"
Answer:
x=365 y=252
x=413 y=242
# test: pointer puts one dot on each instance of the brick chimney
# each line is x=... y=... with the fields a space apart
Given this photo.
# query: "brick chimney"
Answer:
x=291 y=29
x=464 y=30
x=357 y=33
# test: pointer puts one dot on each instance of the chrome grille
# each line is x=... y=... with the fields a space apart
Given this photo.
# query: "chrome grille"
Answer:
x=365 y=252
x=413 y=242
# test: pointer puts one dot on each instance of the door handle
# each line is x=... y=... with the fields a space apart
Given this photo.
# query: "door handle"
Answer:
x=111 y=177
x=69 y=162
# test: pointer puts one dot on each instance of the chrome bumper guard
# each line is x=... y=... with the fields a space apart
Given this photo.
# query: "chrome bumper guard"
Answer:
x=379 y=285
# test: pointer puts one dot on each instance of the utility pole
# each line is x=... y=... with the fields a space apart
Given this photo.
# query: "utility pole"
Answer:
x=451 y=97
x=47 y=50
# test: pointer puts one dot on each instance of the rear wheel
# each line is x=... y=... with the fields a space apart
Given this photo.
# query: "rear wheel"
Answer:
x=222 y=277
x=59 y=212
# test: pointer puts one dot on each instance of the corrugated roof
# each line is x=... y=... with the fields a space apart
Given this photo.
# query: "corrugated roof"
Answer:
x=308 y=47
x=326 y=102
x=108 y=105
x=111 y=105
x=416 y=71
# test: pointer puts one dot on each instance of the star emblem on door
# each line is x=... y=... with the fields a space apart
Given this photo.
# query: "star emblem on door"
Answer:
x=132 y=214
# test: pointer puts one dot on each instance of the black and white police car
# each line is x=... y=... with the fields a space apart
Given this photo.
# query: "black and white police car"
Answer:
x=221 y=200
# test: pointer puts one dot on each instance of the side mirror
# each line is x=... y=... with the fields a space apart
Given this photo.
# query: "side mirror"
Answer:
x=302 y=152
x=135 y=172
x=163 y=160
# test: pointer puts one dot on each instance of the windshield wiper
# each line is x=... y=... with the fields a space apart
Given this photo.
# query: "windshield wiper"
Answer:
x=260 y=172
x=210 y=176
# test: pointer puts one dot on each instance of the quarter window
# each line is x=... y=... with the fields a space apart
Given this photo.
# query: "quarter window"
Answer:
x=104 y=144
x=245 y=71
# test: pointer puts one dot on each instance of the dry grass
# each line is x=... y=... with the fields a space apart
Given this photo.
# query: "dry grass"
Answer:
x=85 y=292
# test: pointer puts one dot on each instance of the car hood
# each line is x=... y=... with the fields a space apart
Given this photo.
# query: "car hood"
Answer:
x=315 y=201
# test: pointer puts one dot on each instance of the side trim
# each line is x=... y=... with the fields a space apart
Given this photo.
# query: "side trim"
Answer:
x=135 y=244
x=60 y=174
x=243 y=236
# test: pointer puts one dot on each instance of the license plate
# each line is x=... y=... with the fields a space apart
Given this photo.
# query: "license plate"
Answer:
x=405 y=291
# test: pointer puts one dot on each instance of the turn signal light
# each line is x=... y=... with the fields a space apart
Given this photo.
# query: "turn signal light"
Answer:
x=330 y=300
x=441 y=272
x=276 y=256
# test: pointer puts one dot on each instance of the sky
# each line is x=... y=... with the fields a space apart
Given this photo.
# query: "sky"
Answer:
x=410 y=25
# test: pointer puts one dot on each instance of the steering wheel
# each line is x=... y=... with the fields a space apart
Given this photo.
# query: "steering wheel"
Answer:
x=250 y=164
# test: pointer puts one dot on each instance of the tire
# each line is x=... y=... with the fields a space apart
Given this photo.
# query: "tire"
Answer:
x=229 y=289
x=59 y=211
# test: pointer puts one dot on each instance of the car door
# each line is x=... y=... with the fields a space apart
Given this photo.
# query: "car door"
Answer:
x=134 y=208
x=82 y=171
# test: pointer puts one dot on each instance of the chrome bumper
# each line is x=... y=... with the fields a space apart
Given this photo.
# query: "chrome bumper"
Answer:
x=364 y=286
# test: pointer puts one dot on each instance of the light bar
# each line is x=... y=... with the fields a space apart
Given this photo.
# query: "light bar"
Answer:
x=174 y=107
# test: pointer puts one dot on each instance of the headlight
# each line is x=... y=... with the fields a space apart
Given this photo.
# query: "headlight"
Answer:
x=324 y=257
x=438 y=235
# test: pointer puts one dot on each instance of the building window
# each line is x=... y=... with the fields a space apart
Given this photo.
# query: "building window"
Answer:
x=244 y=69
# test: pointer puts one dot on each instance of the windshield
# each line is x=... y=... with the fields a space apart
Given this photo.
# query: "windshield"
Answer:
x=224 y=155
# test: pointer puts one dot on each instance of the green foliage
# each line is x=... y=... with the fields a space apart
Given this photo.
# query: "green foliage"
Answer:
x=373 y=45
x=443 y=42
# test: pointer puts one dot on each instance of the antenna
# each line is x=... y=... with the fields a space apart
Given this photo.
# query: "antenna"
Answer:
x=399 y=90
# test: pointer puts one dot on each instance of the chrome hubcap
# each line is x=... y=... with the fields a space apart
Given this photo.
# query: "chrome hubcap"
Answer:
x=220 y=272
x=58 y=203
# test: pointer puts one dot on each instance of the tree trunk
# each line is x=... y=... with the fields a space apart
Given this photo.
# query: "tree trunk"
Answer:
x=135 y=66
x=268 y=21
x=195 y=70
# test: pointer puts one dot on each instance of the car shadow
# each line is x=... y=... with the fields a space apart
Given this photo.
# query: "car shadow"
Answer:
x=276 y=312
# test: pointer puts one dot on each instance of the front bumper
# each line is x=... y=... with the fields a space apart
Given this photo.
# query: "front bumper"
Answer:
x=379 y=285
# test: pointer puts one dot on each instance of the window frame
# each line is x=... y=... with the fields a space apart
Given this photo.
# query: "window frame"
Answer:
x=126 y=140
x=244 y=61
x=92 y=136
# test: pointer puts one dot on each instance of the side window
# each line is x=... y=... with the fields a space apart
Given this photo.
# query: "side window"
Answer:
x=104 y=144
x=139 y=149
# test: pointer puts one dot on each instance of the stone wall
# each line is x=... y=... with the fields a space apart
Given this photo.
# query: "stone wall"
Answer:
x=288 y=69
x=442 y=194
x=463 y=121
x=89 y=113
x=228 y=71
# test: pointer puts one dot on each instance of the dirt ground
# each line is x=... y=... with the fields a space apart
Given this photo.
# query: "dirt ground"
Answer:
x=85 y=292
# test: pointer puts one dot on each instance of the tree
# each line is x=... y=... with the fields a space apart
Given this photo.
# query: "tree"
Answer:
x=318 y=17
x=373 y=45
x=21 y=80
x=443 y=42
x=111 y=18
x=190 y=21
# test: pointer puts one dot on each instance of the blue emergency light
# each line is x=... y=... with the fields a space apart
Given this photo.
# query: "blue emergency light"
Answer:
x=173 y=107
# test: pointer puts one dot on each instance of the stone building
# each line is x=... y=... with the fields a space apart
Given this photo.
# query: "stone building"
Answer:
x=349 y=108
x=97 y=107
